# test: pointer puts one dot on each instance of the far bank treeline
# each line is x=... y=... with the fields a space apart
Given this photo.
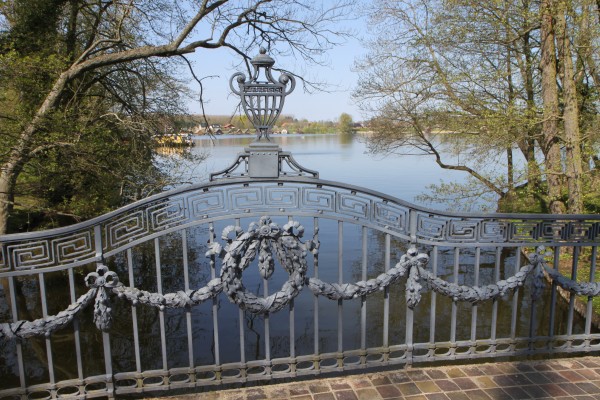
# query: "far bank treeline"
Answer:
x=199 y=124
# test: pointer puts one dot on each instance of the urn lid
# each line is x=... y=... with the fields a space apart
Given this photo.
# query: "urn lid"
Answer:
x=262 y=59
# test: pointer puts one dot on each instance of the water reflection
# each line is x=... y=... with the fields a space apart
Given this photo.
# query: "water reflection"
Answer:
x=342 y=158
x=159 y=263
x=144 y=261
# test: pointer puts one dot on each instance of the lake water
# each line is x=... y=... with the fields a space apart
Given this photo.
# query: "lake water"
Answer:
x=335 y=157
x=343 y=158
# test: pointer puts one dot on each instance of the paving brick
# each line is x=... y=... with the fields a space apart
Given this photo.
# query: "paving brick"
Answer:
x=588 y=373
x=477 y=394
x=436 y=396
x=535 y=391
x=368 y=394
x=589 y=387
x=360 y=382
x=523 y=367
x=465 y=383
x=302 y=397
x=511 y=380
x=323 y=396
x=255 y=394
x=417 y=375
x=318 y=388
x=408 y=389
x=485 y=382
x=538 y=377
x=389 y=391
x=572 y=376
x=473 y=371
x=490 y=369
x=572 y=389
x=542 y=367
x=298 y=389
x=380 y=379
x=416 y=397
x=436 y=374
x=497 y=393
x=590 y=363
x=457 y=396
x=345 y=395
x=428 y=387
x=455 y=373
x=553 y=389
x=339 y=384
x=399 y=377
x=517 y=393
x=447 y=385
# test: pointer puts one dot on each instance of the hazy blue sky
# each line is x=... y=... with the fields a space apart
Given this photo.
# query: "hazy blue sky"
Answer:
x=316 y=106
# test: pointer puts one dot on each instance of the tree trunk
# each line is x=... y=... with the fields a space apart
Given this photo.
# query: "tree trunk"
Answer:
x=550 y=139
x=6 y=201
x=573 y=158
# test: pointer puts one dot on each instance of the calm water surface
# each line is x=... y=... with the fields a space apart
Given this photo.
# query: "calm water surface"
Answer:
x=342 y=158
x=336 y=157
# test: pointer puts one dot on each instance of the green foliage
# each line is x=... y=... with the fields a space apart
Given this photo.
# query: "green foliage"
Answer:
x=94 y=151
x=345 y=124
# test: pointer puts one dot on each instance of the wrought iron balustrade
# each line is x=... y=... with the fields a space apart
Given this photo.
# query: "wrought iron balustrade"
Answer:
x=263 y=275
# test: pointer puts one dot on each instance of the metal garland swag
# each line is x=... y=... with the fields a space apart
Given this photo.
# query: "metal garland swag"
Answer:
x=267 y=240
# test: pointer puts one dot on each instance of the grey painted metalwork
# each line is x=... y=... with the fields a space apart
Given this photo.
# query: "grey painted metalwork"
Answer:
x=404 y=254
x=262 y=96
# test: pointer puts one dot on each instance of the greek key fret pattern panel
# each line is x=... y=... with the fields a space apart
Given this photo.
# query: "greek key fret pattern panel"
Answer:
x=391 y=215
x=436 y=228
x=317 y=198
x=3 y=263
x=62 y=250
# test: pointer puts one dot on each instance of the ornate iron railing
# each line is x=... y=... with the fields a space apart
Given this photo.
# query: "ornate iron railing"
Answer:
x=150 y=298
x=415 y=270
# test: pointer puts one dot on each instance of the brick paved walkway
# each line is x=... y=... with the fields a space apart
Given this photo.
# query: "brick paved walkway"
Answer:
x=572 y=378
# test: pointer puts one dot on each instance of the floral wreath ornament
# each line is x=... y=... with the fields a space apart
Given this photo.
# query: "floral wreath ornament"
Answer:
x=265 y=240
x=103 y=281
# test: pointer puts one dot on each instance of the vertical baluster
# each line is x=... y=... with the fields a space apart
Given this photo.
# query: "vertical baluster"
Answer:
x=161 y=313
x=15 y=317
x=363 y=301
x=267 y=329
x=188 y=311
x=515 y=303
x=434 y=264
x=589 y=310
x=76 y=326
x=134 y=321
x=48 y=340
x=241 y=321
x=412 y=227
x=110 y=387
x=474 y=306
x=574 y=265
x=292 y=332
x=215 y=308
x=386 y=303
x=532 y=325
x=554 y=292
x=454 y=303
x=316 y=363
x=495 y=301
x=267 y=335
x=340 y=324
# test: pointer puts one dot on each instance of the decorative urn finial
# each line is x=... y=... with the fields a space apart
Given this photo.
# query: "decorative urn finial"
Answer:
x=262 y=96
